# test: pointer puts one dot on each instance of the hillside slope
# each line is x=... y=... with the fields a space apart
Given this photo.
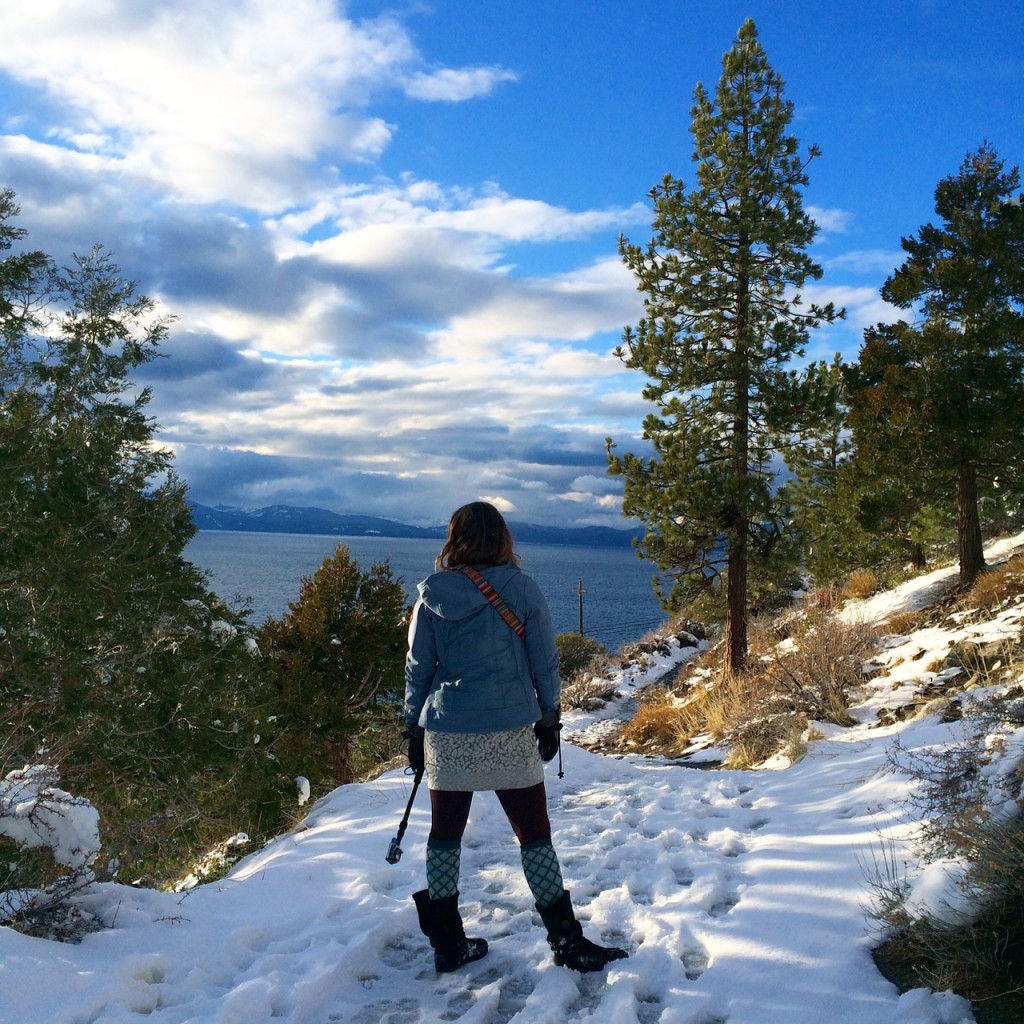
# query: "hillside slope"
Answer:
x=740 y=895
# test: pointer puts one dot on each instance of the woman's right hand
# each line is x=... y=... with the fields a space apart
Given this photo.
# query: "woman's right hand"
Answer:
x=546 y=731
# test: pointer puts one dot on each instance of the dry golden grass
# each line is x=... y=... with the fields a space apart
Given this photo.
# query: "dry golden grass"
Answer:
x=904 y=622
x=721 y=703
x=986 y=664
x=825 y=597
x=764 y=738
x=727 y=708
x=766 y=709
x=659 y=726
x=860 y=583
x=997 y=585
x=715 y=702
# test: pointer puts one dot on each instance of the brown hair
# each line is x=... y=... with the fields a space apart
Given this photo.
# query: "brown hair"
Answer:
x=477 y=535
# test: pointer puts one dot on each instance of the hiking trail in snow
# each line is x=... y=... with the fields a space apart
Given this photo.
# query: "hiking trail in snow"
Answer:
x=740 y=896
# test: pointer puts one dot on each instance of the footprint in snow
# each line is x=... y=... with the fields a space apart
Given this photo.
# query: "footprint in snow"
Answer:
x=695 y=962
x=402 y=953
x=683 y=876
x=387 y=1011
x=649 y=1009
x=722 y=906
x=592 y=988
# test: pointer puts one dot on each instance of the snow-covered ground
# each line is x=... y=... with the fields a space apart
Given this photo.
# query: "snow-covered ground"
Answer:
x=741 y=897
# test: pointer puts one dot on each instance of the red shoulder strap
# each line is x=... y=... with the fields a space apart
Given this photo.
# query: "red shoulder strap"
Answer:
x=492 y=595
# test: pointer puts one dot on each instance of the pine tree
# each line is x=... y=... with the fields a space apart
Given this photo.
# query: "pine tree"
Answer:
x=20 y=277
x=937 y=405
x=337 y=657
x=819 y=459
x=115 y=660
x=723 y=318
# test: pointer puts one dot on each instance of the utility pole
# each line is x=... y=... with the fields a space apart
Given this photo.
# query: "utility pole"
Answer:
x=579 y=590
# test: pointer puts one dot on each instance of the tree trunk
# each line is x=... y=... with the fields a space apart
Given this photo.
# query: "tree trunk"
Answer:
x=736 y=592
x=918 y=558
x=968 y=524
x=341 y=760
x=739 y=527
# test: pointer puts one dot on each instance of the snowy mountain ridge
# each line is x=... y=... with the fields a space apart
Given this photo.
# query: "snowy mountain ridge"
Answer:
x=321 y=521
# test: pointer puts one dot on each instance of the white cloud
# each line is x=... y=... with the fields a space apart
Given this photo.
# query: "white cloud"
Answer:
x=351 y=332
x=832 y=220
x=605 y=502
x=597 y=484
x=516 y=220
x=501 y=504
x=864 y=306
x=452 y=85
x=576 y=305
x=232 y=101
x=868 y=261
x=396 y=224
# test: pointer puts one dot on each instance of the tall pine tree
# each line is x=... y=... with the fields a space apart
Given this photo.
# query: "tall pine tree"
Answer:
x=937 y=405
x=115 y=661
x=723 y=318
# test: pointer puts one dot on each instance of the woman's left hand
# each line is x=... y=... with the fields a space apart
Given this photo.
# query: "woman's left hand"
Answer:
x=416 y=755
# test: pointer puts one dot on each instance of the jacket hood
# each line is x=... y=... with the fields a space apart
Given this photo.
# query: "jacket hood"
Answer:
x=452 y=595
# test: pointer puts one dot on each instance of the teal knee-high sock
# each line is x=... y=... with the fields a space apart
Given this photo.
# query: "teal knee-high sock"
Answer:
x=543 y=874
x=443 y=859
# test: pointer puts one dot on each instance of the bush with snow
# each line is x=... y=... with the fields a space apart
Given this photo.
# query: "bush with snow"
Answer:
x=958 y=924
x=36 y=814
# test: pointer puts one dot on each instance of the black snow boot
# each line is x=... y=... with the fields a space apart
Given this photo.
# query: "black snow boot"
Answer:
x=565 y=937
x=441 y=922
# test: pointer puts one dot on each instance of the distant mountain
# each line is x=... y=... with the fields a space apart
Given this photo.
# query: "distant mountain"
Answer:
x=588 y=536
x=293 y=519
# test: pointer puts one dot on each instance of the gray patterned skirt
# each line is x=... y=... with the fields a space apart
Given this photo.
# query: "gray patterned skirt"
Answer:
x=475 y=761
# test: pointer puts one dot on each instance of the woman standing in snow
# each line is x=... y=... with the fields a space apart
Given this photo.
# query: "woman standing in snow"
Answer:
x=481 y=711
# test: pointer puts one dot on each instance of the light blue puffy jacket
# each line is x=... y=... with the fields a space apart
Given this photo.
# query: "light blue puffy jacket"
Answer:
x=467 y=670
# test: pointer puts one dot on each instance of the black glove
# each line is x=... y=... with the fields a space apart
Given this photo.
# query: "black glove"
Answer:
x=546 y=731
x=415 y=738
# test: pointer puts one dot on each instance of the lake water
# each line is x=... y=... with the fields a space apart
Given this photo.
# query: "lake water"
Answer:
x=619 y=604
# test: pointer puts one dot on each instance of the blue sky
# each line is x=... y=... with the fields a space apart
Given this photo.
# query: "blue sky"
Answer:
x=389 y=232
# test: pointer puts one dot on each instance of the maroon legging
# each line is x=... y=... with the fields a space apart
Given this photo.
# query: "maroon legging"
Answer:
x=526 y=809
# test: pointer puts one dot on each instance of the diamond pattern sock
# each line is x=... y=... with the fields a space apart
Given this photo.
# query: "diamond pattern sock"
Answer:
x=543 y=874
x=443 y=860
